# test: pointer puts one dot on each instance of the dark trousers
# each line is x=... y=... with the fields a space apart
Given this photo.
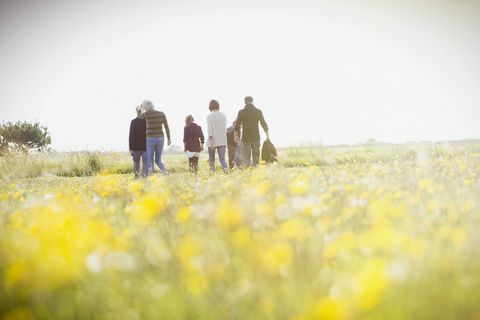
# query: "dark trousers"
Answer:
x=193 y=164
x=251 y=151
x=231 y=155
x=136 y=156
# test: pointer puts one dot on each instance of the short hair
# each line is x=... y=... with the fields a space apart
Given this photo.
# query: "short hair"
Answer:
x=138 y=109
x=147 y=105
x=248 y=100
x=189 y=119
x=214 y=105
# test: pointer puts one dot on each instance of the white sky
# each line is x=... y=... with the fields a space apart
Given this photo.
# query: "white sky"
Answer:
x=332 y=71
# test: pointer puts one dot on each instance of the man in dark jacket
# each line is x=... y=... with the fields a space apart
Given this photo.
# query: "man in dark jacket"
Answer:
x=248 y=119
x=138 y=145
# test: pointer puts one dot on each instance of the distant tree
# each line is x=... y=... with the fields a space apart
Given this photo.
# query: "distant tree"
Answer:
x=23 y=136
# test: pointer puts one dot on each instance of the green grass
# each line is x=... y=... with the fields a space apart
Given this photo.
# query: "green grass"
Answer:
x=379 y=232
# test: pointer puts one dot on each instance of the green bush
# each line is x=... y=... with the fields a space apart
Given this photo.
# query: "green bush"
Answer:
x=23 y=136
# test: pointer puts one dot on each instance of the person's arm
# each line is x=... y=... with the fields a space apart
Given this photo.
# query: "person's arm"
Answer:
x=238 y=125
x=167 y=130
x=202 y=138
x=185 y=139
x=130 y=137
x=238 y=122
x=210 y=129
x=264 y=124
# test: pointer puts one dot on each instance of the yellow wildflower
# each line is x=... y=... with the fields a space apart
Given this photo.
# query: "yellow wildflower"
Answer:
x=182 y=215
x=278 y=257
x=146 y=208
x=299 y=186
x=228 y=215
x=331 y=309
x=294 y=229
x=371 y=281
x=196 y=284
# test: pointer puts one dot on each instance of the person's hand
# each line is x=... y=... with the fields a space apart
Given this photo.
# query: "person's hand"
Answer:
x=169 y=142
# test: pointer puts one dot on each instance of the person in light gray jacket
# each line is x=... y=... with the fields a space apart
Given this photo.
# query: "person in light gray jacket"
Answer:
x=217 y=135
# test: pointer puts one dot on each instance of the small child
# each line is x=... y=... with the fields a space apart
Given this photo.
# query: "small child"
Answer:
x=193 y=141
x=231 y=144
x=238 y=157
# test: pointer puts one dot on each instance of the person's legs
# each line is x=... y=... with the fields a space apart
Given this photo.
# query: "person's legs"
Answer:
x=144 y=164
x=231 y=155
x=136 y=162
x=190 y=164
x=211 y=158
x=221 y=156
x=239 y=155
x=246 y=152
x=195 y=164
x=158 y=154
x=256 y=153
x=150 y=153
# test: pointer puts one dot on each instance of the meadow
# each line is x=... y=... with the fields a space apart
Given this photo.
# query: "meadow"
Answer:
x=368 y=232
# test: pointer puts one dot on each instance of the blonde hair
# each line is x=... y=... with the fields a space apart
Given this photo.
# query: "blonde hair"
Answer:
x=189 y=119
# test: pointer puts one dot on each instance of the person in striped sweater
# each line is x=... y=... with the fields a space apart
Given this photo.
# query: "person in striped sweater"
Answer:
x=155 y=138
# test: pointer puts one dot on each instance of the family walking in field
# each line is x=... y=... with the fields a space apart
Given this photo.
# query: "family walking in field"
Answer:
x=241 y=140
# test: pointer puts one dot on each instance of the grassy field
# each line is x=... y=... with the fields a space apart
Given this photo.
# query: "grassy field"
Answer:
x=328 y=233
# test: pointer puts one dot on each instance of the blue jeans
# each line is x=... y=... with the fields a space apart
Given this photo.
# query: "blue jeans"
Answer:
x=155 y=148
x=221 y=156
x=251 y=150
x=136 y=155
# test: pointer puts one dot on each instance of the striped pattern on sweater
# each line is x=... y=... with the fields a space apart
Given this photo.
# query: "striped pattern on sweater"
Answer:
x=155 y=120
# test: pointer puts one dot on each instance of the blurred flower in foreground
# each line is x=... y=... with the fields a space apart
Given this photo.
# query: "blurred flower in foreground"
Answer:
x=228 y=215
x=299 y=186
x=146 y=208
x=47 y=246
x=371 y=282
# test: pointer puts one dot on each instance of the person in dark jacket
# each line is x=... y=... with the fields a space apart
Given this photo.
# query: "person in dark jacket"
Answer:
x=247 y=120
x=137 y=144
x=193 y=141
